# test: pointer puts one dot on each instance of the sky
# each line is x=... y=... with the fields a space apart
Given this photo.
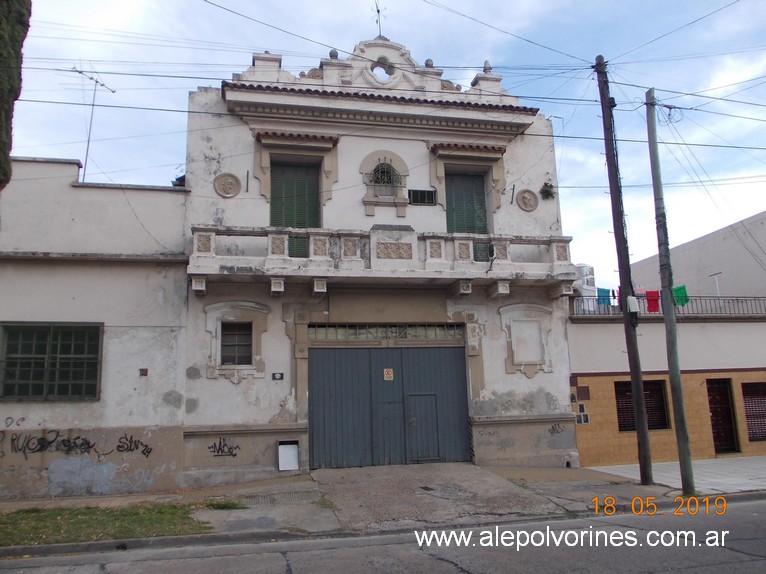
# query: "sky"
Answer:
x=121 y=71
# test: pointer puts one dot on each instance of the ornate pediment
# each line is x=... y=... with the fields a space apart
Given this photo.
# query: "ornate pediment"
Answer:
x=376 y=67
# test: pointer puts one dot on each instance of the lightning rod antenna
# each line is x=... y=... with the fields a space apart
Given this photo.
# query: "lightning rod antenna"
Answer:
x=96 y=84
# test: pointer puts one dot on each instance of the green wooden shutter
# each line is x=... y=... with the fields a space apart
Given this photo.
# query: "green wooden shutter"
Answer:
x=466 y=209
x=295 y=202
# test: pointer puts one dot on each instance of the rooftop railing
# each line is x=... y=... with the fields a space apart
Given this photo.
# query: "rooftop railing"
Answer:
x=696 y=306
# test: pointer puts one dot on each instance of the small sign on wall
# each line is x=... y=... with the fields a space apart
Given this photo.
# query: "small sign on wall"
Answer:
x=388 y=374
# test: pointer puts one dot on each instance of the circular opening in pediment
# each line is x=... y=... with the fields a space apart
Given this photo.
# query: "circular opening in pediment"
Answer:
x=382 y=69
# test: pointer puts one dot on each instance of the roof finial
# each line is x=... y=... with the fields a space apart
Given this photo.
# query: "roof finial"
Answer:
x=378 y=19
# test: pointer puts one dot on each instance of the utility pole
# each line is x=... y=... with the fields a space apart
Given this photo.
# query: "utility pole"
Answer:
x=668 y=305
x=630 y=320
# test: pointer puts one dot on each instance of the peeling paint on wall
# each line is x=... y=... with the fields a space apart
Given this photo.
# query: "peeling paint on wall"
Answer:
x=79 y=476
x=173 y=398
x=538 y=401
x=191 y=405
x=287 y=409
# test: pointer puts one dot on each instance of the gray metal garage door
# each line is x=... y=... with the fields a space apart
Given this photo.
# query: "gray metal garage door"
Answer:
x=387 y=406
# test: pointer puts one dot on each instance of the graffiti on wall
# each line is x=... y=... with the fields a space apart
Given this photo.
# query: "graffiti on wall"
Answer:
x=222 y=447
x=27 y=443
x=129 y=444
x=556 y=429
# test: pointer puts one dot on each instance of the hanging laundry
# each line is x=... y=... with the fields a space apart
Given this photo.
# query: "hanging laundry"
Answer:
x=653 y=301
x=680 y=295
x=603 y=296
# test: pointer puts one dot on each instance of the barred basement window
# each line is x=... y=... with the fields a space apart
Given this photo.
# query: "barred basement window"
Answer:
x=50 y=361
x=754 y=398
x=236 y=343
x=654 y=399
x=422 y=196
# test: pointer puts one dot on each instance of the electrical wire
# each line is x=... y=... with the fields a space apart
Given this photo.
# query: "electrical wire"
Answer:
x=665 y=35
x=539 y=45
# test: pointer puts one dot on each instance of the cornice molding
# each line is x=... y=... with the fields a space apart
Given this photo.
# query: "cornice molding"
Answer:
x=253 y=110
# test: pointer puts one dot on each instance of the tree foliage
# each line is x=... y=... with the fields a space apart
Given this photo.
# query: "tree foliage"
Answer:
x=14 y=23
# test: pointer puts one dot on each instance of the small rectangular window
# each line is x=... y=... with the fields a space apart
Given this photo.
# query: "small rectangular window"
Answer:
x=754 y=398
x=422 y=196
x=50 y=361
x=654 y=399
x=236 y=343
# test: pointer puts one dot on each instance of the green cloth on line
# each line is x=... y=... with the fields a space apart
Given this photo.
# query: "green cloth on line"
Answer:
x=680 y=295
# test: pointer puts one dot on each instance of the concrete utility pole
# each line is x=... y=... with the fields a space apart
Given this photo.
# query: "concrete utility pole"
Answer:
x=626 y=283
x=668 y=305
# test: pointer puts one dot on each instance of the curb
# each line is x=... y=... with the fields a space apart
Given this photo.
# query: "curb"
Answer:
x=162 y=542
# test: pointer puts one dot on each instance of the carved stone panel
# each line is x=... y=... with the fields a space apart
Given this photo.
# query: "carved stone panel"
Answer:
x=435 y=249
x=350 y=247
x=203 y=242
x=320 y=247
x=464 y=250
x=278 y=245
x=394 y=251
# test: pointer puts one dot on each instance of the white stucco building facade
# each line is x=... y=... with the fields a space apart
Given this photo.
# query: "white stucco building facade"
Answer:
x=364 y=265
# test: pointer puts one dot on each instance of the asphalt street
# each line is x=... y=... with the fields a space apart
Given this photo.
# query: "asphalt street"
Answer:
x=707 y=541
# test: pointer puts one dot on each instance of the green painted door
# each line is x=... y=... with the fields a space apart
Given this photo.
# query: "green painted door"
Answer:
x=295 y=201
x=467 y=210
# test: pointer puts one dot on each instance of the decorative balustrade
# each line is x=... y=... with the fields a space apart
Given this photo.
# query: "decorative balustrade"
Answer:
x=290 y=251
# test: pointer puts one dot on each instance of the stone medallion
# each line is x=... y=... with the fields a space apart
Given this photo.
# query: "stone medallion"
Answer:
x=227 y=185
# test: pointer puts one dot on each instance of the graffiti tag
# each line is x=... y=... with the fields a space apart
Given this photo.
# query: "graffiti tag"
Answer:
x=556 y=429
x=223 y=448
x=50 y=441
x=129 y=444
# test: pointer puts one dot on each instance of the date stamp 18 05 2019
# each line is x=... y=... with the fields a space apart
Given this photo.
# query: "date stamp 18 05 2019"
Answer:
x=647 y=505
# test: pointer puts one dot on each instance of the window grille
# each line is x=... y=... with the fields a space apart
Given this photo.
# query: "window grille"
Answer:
x=754 y=399
x=236 y=343
x=654 y=399
x=50 y=361
x=349 y=333
x=422 y=196
x=385 y=179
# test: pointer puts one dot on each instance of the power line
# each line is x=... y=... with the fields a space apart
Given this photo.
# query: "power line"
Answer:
x=185 y=111
x=698 y=94
x=543 y=46
x=673 y=31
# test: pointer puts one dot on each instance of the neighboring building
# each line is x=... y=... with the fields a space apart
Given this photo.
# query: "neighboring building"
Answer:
x=730 y=262
x=720 y=345
x=364 y=266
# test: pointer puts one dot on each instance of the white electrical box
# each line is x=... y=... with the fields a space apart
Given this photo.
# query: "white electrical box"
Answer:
x=288 y=455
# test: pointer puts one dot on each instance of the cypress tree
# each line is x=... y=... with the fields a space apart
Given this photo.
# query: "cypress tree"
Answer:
x=14 y=23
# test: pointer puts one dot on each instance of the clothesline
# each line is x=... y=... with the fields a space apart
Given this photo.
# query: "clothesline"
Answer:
x=612 y=297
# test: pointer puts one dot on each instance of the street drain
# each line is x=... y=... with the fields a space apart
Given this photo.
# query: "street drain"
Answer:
x=426 y=488
x=281 y=498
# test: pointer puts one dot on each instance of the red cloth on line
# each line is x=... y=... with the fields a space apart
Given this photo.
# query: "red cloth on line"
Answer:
x=653 y=301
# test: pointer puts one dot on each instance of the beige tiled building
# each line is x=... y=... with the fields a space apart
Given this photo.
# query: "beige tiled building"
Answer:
x=721 y=337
